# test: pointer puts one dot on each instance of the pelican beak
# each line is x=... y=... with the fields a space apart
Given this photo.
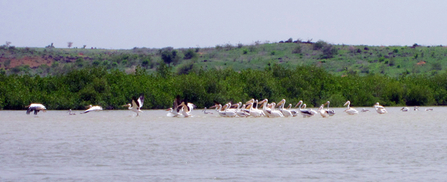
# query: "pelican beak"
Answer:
x=212 y=107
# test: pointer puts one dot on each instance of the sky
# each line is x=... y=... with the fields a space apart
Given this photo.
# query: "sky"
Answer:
x=119 y=24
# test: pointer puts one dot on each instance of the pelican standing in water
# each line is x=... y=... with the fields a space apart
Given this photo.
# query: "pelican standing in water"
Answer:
x=305 y=112
x=92 y=108
x=71 y=112
x=322 y=112
x=255 y=112
x=380 y=109
x=285 y=112
x=206 y=112
x=349 y=110
x=330 y=112
x=185 y=109
x=136 y=104
x=36 y=107
x=271 y=113
x=175 y=109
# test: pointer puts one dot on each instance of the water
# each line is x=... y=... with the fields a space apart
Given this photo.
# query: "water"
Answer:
x=117 y=146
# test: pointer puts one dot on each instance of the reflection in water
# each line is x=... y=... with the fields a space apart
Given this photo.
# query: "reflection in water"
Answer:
x=116 y=145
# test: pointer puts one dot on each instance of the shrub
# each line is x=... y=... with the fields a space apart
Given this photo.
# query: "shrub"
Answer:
x=319 y=44
x=329 y=51
x=190 y=53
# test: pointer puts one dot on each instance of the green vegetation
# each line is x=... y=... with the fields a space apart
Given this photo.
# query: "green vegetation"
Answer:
x=112 y=88
x=313 y=72
x=338 y=60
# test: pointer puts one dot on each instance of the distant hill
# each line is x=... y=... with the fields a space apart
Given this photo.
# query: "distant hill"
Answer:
x=336 y=59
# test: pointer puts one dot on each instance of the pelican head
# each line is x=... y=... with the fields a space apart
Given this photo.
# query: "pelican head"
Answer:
x=300 y=102
x=347 y=102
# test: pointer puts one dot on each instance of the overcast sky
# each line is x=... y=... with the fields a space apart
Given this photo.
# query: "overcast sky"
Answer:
x=119 y=24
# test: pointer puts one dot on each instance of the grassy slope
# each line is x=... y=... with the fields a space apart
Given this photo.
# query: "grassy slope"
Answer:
x=362 y=60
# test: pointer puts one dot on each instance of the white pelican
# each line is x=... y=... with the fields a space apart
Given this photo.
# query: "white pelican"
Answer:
x=206 y=112
x=285 y=112
x=329 y=111
x=186 y=109
x=241 y=111
x=404 y=109
x=272 y=113
x=36 y=107
x=349 y=110
x=305 y=112
x=255 y=112
x=416 y=108
x=92 y=108
x=380 y=109
x=323 y=112
x=218 y=109
x=429 y=109
x=136 y=104
x=228 y=111
x=224 y=113
x=294 y=113
x=175 y=109
x=71 y=112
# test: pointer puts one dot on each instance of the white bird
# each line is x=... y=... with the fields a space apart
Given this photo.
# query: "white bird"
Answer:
x=206 y=112
x=285 y=112
x=219 y=109
x=365 y=110
x=323 y=112
x=429 y=109
x=329 y=111
x=294 y=112
x=186 y=109
x=380 y=109
x=240 y=111
x=71 y=112
x=174 y=111
x=349 y=110
x=305 y=112
x=224 y=111
x=271 y=113
x=416 y=108
x=255 y=112
x=92 y=108
x=36 y=107
x=136 y=104
x=404 y=109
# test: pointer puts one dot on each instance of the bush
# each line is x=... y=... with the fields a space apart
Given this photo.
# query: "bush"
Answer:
x=329 y=51
x=189 y=54
x=319 y=45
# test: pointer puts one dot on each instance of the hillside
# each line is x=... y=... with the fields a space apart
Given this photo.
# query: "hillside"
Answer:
x=336 y=59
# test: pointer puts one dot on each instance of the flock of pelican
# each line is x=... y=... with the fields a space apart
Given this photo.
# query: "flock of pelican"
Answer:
x=252 y=108
x=255 y=108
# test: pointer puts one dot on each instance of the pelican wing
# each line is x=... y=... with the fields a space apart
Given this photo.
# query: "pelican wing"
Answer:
x=306 y=112
x=176 y=103
x=140 y=101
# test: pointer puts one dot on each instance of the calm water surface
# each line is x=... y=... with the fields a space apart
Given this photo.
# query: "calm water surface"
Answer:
x=117 y=146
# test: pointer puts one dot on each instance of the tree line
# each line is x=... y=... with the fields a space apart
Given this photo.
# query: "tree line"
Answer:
x=112 y=88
